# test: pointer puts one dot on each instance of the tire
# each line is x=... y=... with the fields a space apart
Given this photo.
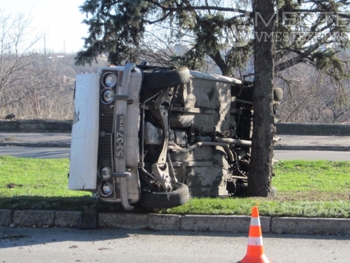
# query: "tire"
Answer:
x=277 y=94
x=163 y=78
x=179 y=196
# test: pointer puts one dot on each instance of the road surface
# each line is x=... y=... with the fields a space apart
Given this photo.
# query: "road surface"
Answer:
x=312 y=155
x=35 y=152
x=73 y=245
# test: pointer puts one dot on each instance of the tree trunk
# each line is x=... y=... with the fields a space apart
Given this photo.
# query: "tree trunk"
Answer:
x=219 y=61
x=260 y=170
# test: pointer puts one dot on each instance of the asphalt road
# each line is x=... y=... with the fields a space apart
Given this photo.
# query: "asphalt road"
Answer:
x=312 y=155
x=73 y=245
x=35 y=152
x=55 y=152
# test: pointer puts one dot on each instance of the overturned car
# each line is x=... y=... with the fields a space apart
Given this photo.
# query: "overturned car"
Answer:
x=156 y=136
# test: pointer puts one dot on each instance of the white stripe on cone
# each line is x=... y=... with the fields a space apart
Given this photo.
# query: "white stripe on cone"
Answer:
x=255 y=221
x=255 y=241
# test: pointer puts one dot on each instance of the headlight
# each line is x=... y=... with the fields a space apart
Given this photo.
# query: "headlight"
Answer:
x=106 y=172
x=107 y=96
x=109 y=80
x=107 y=188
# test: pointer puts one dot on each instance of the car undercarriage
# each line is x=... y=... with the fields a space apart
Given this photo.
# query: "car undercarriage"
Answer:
x=166 y=134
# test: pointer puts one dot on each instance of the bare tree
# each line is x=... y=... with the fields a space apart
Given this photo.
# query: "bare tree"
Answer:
x=16 y=53
x=34 y=85
x=313 y=96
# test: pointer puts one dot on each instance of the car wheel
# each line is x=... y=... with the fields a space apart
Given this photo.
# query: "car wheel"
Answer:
x=178 y=196
x=163 y=78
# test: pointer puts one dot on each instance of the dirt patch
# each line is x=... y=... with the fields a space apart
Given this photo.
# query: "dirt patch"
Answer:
x=311 y=196
x=13 y=185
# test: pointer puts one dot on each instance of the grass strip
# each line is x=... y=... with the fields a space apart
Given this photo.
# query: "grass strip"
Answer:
x=304 y=188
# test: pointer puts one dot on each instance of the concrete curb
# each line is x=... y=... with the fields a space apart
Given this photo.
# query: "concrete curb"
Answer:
x=36 y=126
x=221 y=223
x=212 y=223
x=300 y=225
x=285 y=128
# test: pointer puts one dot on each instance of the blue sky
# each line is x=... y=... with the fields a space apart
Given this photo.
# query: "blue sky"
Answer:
x=59 y=19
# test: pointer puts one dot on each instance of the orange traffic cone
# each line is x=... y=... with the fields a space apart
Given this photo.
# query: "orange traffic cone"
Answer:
x=255 y=249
